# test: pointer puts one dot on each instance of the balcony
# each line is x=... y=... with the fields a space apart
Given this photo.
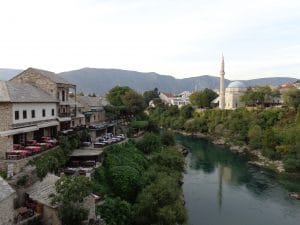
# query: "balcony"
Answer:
x=65 y=114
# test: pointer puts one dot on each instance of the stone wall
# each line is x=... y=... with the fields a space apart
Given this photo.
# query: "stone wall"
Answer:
x=33 y=77
x=6 y=116
x=50 y=216
x=6 y=144
x=89 y=204
x=7 y=210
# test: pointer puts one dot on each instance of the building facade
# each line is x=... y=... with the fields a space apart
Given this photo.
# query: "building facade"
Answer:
x=27 y=113
x=229 y=98
x=55 y=86
x=7 y=197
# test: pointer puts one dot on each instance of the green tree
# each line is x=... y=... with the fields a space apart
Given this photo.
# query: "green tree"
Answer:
x=292 y=98
x=151 y=95
x=133 y=101
x=203 y=99
x=116 y=211
x=158 y=203
x=125 y=182
x=167 y=138
x=114 y=96
x=255 y=136
x=186 y=112
x=70 y=194
x=149 y=143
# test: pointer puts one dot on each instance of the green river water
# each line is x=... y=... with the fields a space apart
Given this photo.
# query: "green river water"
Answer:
x=220 y=188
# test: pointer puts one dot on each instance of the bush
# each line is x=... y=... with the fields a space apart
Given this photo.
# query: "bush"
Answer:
x=149 y=143
x=167 y=138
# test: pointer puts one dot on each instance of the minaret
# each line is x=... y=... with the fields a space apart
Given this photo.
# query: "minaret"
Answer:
x=222 y=89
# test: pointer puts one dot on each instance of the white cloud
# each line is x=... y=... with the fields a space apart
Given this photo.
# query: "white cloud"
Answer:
x=179 y=37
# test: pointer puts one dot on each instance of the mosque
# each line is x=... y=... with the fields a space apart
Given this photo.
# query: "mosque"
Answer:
x=229 y=98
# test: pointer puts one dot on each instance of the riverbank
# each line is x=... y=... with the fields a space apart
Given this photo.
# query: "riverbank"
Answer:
x=257 y=159
x=229 y=192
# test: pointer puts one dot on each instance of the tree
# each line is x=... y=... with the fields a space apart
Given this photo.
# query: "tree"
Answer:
x=133 y=101
x=255 y=136
x=203 y=99
x=70 y=194
x=167 y=138
x=158 y=203
x=116 y=211
x=170 y=158
x=292 y=98
x=150 y=95
x=149 y=143
x=114 y=96
x=125 y=182
x=259 y=95
x=186 y=111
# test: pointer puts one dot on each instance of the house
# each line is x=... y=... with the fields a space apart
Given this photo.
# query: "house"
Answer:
x=7 y=197
x=178 y=100
x=92 y=108
x=77 y=109
x=57 y=87
x=27 y=113
x=41 y=193
x=166 y=97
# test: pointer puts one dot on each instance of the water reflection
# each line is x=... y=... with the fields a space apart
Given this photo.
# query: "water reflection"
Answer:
x=221 y=188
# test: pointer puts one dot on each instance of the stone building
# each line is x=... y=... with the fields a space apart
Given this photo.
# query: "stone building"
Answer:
x=92 y=108
x=229 y=98
x=41 y=192
x=57 y=87
x=27 y=113
x=7 y=197
x=233 y=94
x=178 y=100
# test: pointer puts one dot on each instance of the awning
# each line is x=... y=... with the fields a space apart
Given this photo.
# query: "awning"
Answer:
x=48 y=124
x=18 y=131
x=64 y=119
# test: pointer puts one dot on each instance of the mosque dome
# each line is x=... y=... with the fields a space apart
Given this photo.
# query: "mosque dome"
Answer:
x=236 y=84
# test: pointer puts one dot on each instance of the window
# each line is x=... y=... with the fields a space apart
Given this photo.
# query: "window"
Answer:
x=44 y=112
x=32 y=113
x=52 y=112
x=63 y=95
x=24 y=114
x=17 y=115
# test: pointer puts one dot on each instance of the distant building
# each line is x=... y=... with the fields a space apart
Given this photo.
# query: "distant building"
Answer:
x=178 y=100
x=7 y=197
x=229 y=98
x=92 y=108
x=233 y=93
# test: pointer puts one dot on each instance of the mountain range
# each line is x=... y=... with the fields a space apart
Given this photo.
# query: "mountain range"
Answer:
x=99 y=81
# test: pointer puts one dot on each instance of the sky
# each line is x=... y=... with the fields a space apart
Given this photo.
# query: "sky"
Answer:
x=183 y=38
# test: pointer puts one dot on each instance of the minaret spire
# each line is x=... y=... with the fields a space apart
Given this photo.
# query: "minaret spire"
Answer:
x=222 y=89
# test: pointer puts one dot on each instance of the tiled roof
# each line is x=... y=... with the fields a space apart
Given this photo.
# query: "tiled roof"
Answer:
x=50 y=75
x=169 y=95
x=41 y=190
x=5 y=189
x=90 y=101
x=22 y=92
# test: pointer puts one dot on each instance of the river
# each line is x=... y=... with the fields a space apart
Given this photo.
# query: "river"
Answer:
x=220 y=188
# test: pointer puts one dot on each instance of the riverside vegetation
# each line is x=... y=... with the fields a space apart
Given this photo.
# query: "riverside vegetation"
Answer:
x=140 y=180
x=274 y=132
